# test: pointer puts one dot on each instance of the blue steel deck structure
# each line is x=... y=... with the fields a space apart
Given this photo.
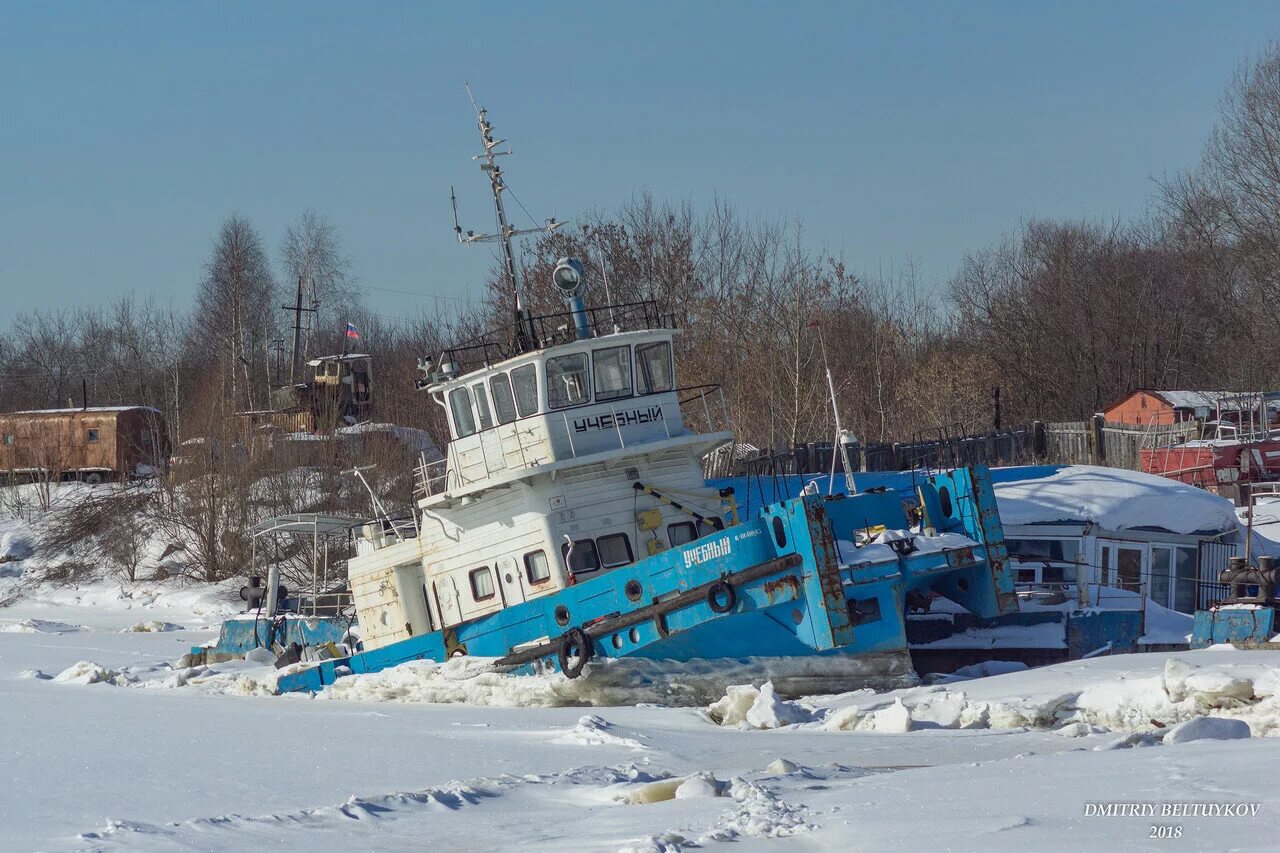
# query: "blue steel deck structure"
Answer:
x=775 y=586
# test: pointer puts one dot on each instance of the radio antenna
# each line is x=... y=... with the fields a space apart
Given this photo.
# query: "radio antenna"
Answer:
x=525 y=339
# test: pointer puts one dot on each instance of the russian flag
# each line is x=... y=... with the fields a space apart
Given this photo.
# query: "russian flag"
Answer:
x=352 y=331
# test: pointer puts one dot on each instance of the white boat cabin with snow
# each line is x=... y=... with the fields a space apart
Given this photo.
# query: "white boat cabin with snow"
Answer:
x=564 y=462
x=1126 y=530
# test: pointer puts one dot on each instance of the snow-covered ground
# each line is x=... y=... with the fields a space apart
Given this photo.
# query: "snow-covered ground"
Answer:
x=152 y=758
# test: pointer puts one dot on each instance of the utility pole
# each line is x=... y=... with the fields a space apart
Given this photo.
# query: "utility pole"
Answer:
x=295 y=365
x=524 y=333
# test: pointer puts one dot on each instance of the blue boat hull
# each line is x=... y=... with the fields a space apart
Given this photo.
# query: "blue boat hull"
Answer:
x=769 y=589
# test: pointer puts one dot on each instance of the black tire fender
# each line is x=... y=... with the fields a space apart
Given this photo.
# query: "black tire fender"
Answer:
x=571 y=641
x=722 y=588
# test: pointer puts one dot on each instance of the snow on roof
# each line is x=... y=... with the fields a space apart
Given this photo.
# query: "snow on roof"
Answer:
x=1208 y=399
x=1115 y=499
x=72 y=411
x=418 y=439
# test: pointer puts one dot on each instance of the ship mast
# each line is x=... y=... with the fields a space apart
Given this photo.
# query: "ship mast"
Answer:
x=525 y=339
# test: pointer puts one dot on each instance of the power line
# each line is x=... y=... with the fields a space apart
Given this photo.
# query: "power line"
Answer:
x=424 y=295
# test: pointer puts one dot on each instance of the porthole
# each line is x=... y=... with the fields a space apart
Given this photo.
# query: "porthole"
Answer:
x=779 y=532
x=944 y=498
x=617 y=641
x=963 y=583
x=562 y=615
x=634 y=635
x=633 y=590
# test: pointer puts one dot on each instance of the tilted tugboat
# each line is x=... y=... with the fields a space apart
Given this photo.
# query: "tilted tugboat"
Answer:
x=569 y=521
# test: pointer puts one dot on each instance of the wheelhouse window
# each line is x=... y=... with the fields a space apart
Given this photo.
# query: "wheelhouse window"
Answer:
x=536 y=568
x=653 y=368
x=614 y=550
x=525 y=381
x=482 y=405
x=504 y=402
x=581 y=558
x=464 y=423
x=567 y=380
x=681 y=533
x=612 y=372
x=91 y=436
x=482 y=583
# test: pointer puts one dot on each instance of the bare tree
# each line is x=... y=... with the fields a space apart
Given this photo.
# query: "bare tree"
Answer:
x=234 y=314
x=312 y=257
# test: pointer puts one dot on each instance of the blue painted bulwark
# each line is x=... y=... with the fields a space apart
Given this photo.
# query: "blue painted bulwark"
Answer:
x=1233 y=625
x=791 y=593
x=245 y=633
x=1103 y=632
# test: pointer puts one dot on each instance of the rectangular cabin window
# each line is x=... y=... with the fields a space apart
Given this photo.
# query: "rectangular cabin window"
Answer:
x=536 y=568
x=567 y=380
x=681 y=533
x=613 y=372
x=481 y=583
x=614 y=550
x=504 y=403
x=464 y=423
x=653 y=368
x=525 y=381
x=8 y=439
x=91 y=435
x=1184 y=589
x=582 y=558
x=482 y=405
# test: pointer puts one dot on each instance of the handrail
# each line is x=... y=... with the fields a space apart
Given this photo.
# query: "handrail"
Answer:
x=558 y=327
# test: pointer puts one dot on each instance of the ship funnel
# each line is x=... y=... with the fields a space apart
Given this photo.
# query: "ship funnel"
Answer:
x=570 y=279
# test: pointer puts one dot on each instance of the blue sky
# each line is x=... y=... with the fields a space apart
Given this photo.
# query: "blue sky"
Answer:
x=128 y=131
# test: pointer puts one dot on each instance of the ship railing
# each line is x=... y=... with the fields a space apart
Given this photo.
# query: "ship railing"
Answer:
x=495 y=345
x=335 y=603
x=430 y=477
x=536 y=440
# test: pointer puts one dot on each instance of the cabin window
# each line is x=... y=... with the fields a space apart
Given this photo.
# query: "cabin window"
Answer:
x=464 y=423
x=653 y=368
x=525 y=381
x=614 y=550
x=481 y=583
x=8 y=439
x=1032 y=555
x=582 y=558
x=612 y=372
x=567 y=380
x=1184 y=587
x=1161 y=575
x=91 y=435
x=536 y=568
x=504 y=403
x=681 y=533
x=482 y=405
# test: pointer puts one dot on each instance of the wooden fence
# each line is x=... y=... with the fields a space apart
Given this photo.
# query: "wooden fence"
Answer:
x=1070 y=442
